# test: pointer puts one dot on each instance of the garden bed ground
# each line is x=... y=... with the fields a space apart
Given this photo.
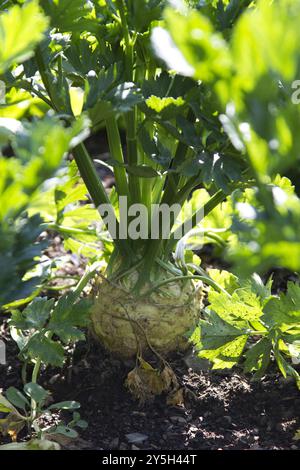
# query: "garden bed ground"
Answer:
x=222 y=412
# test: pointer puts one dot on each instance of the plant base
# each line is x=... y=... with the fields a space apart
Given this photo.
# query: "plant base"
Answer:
x=128 y=325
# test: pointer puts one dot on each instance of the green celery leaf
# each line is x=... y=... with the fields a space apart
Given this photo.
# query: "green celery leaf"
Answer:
x=67 y=316
x=17 y=398
x=65 y=405
x=239 y=310
x=21 y=29
x=45 y=349
x=70 y=15
x=225 y=279
x=34 y=316
x=220 y=342
x=258 y=357
x=36 y=392
x=284 y=310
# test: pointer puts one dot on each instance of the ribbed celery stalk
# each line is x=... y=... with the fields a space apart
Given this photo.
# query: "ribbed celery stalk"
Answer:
x=131 y=116
x=116 y=152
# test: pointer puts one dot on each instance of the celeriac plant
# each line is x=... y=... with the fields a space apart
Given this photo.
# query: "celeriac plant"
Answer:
x=97 y=59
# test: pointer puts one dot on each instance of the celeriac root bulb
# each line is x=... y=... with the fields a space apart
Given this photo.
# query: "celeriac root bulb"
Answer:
x=127 y=324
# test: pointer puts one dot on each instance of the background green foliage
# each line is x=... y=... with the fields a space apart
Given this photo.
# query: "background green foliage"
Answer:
x=251 y=72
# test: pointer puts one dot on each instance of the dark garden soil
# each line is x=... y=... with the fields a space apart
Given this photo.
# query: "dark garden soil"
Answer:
x=221 y=411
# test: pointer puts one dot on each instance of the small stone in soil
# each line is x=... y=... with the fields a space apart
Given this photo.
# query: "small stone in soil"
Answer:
x=136 y=438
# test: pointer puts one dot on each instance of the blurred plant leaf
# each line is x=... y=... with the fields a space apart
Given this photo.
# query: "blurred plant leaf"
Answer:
x=21 y=29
